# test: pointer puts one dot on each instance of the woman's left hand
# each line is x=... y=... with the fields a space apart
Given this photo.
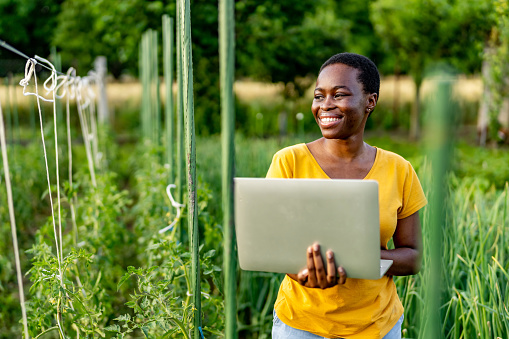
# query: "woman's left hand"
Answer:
x=315 y=275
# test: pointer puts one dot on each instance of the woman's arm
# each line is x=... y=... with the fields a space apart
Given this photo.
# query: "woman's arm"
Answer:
x=407 y=254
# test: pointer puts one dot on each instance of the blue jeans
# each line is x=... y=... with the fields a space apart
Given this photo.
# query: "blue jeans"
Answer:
x=282 y=331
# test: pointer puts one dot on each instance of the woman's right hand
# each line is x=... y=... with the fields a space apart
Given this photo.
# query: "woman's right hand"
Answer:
x=315 y=275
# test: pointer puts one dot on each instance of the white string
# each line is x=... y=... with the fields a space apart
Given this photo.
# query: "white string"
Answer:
x=59 y=86
x=64 y=80
x=175 y=204
x=52 y=89
x=13 y=224
x=29 y=71
x=25 y=83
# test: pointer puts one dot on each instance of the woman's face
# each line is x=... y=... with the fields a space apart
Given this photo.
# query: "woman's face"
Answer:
x=340 y=106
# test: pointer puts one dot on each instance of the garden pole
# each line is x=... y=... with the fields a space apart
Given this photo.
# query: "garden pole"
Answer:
x=439 y=142
x=180 y=119
x=150 y=83
x=157 y=101
x=140 y=78
x=168 y=80
x=8 y=107
x=148 y=80
x=101 y=69
x=192 y=215
x=227 y=70
x=144 y=87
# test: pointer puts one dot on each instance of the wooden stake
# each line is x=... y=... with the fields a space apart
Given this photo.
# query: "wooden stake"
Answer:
x=168 y=80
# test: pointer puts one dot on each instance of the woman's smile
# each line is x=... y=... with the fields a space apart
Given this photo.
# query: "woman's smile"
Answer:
x=328 y=120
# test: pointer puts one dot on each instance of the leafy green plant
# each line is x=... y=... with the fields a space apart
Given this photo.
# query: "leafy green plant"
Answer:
x=160 y=303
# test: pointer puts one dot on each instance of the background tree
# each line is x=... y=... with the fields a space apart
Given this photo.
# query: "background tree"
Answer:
x=285 y=41
x=420 y=32
x=87 y=29
x=494 y=110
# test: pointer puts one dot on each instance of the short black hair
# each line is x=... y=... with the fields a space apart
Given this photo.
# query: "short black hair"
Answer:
x=368 y=73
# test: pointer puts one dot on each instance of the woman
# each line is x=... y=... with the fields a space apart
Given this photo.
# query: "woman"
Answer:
x=317 y=303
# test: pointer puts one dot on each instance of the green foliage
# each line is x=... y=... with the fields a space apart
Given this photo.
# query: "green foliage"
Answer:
x=160 y=304
x=170 y=260
x=418 y=32
x=474 y=281
x=496 y=53
x=87 y=29
x=297 y=37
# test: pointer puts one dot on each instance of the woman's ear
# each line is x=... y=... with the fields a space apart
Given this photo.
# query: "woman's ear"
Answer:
x=372 y=100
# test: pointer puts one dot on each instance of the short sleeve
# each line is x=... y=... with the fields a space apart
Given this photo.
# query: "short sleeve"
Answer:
x=279 y=168
x=413 y=194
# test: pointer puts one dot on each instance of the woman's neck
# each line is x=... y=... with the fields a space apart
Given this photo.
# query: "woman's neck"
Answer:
x=349 y=149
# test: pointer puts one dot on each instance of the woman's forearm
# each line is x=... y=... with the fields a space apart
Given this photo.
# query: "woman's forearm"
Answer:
x=406 y=261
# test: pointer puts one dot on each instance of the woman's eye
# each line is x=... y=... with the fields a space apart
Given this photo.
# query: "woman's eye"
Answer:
x=339 y=95
x=318 y=97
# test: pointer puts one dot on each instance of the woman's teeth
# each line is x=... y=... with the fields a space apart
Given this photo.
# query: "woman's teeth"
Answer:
x=329 y=119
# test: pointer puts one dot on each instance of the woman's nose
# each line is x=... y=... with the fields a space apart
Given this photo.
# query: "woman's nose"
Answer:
x=327 y=103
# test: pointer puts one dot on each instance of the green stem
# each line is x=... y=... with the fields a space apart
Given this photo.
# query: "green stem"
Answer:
x=181 y=325
x=47 y=331
x=84 y=307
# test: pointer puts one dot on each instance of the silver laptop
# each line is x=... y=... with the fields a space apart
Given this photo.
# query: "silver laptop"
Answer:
x=277 y=219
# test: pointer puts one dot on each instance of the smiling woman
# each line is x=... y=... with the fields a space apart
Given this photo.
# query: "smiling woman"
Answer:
x=320 y=301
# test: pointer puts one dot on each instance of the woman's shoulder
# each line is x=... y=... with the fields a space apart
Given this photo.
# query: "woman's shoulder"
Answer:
x=294 y=151
x=391 y=156
x=392 y=159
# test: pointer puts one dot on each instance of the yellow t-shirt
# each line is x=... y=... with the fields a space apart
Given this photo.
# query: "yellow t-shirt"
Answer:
x=359 y=308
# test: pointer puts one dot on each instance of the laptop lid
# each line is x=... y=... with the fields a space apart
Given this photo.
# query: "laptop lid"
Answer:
x=277 y=219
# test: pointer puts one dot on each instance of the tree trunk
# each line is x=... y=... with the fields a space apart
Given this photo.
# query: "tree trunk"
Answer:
x=395 y=96
x=486 y=99
x=503 y=120
x=101 y=69
x=414 y=116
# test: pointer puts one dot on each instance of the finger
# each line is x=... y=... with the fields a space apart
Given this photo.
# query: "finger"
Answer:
x=302 y=277
x=319 y=268
x=311 y=268
x=342 y=275
x=331 y=269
